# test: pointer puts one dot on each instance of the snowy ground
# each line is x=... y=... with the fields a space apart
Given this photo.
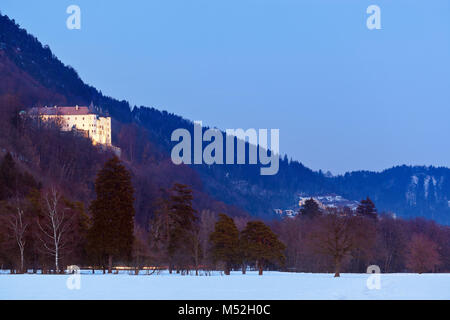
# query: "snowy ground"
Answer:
x=272 y=285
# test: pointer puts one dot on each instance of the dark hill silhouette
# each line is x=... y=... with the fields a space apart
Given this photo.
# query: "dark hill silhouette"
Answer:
x=33 y=76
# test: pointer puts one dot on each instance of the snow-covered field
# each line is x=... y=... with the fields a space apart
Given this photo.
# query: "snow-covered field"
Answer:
x=272 y=285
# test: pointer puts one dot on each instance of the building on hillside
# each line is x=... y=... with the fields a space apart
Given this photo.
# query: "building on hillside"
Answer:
x=323 y=201
x=288 y=213
x=329 y=201
x=83 y=119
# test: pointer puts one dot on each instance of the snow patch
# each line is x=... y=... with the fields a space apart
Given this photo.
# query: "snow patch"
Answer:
x=270 y=286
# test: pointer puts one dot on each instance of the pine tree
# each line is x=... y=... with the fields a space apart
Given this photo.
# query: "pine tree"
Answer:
x=13 y=182
x=160 y=225
x=262 y=245
x=8 y=174
x=111 y=235
x=310 y=209
x=181 y=220
x=367 y=209
x=225 y=239
x=79 y=232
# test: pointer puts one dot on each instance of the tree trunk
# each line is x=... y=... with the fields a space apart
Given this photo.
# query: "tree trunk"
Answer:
x=21 y=260
x=56 y=260
x=110 y=264
x=244 y=268
x=260 y=267
x=337 y=273
x=34 y=266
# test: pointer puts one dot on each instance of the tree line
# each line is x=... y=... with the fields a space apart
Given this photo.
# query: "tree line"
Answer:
x=341 y=240
x=42 y=229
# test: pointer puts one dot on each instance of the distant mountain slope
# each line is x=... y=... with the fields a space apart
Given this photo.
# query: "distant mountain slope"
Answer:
x=30 y=72
x=408 y=191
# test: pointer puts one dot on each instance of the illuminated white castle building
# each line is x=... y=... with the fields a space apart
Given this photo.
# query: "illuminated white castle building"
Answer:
x=84 y=119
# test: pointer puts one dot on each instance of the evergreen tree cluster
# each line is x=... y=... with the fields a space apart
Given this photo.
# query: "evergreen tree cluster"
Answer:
x=181 y=239
x=111 y=235
x=256 y=245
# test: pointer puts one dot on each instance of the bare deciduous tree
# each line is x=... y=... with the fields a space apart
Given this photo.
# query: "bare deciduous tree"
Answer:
x=196 y=248
x=54 y=225
x=423 y=255
x=334 y=236
x=208 y=220
x=18 y=227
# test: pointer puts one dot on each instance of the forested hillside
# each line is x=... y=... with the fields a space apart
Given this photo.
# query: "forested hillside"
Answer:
x=32 y=76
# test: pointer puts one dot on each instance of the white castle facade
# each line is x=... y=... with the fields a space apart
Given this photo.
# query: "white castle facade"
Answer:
x=81 y=118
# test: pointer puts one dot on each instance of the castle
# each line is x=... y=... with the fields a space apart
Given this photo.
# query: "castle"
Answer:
x=81 y=118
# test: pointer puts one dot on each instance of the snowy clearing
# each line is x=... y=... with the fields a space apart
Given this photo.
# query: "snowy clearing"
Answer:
x=270 y=286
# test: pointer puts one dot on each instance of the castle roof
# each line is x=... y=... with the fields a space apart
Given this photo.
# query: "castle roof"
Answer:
x=69 y=111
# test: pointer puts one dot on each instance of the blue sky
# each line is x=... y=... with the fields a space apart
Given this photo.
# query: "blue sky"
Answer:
x=344 y=97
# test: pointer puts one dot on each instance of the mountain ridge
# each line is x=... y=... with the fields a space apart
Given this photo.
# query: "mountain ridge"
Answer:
x=37 y=77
